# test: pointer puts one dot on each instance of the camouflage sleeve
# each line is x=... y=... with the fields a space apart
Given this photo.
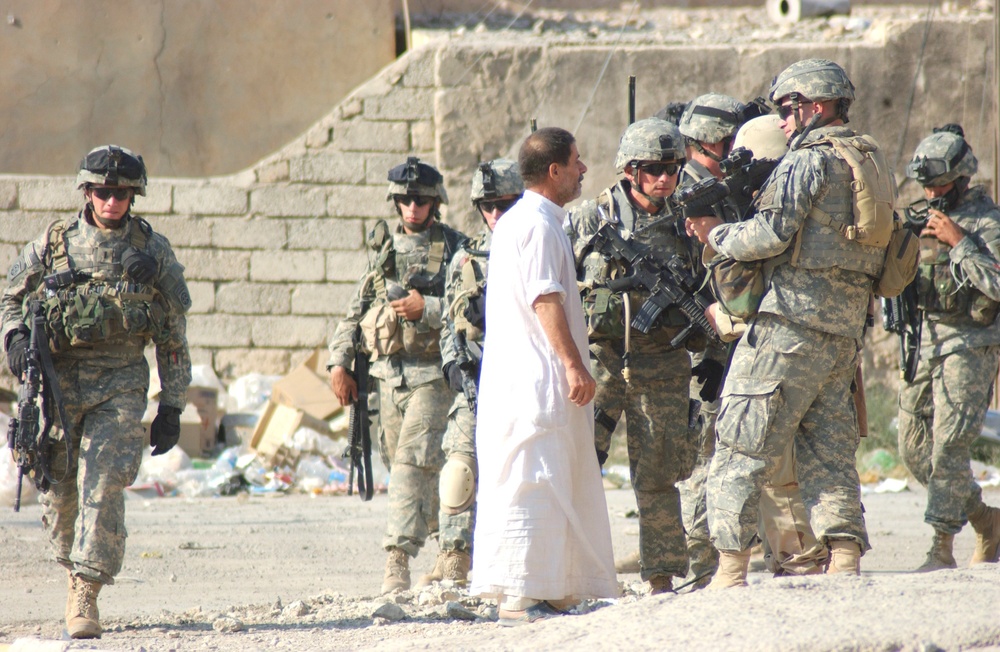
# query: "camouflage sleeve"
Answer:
x=452 y=286
x=23 y=277
x=341 y=344
x=581 y=225
x=978 y=256
x=173 y=358
x=784 y=204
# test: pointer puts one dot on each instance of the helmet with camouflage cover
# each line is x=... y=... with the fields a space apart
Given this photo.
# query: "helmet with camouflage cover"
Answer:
x=652 y=139
x=416 y=178
x=814 y=79
x=762 y=136
x=497 y=178
x=111 y=165
x=942 y=157
x=711 y=118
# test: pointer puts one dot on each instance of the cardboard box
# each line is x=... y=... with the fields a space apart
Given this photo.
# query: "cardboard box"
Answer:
x=307 y=388
x=276 y=425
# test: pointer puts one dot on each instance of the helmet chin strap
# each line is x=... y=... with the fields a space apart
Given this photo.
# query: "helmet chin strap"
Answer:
x=712 y=155
x=953 y=196
x=107 y=224
x=636 y=185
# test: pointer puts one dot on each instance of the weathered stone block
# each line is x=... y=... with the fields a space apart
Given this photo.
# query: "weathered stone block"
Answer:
x=233 y=363
x=377 y=168
x=277 y=266
x=8 y=195
x=49 y=194
x=19 y=227
x=199 y=355
x=346 y=265
x=402 y=104
x=328 y=233
x=357 y=201
x=422 y=136
x=365 y=136
x=214 y=265
x=328 y=167
x=329 y=299
x=202 y=296
x=219 y=330
x=290 y=331
x=420 y=69
x=249 y=233
x=159 y=199
x=210 y=199
x=288 y=201
x=183 y=231
x=242 y=298
x=273 y=172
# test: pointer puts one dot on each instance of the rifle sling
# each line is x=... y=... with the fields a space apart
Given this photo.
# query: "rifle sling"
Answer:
x=50 y=386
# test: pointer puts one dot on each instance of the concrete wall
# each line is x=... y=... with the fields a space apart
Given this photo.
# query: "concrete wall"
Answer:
x=199 y=88
x=272 y=253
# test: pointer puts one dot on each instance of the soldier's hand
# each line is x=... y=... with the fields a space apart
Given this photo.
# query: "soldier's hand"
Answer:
x=139 y=266
x=943 y=228
x=709 y=373
x=17 y=352
x=411 y=307
x=582 y=385
x=344 y=387
x=700 y=227
x=166 y=429
x=454 y=376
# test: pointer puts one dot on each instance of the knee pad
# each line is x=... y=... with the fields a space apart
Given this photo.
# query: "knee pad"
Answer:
x=457 y=486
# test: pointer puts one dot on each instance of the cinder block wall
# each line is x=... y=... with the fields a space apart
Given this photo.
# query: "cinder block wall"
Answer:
x=272 y=253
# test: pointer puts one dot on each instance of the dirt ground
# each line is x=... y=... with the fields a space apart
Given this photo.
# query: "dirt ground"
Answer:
x=300 y=572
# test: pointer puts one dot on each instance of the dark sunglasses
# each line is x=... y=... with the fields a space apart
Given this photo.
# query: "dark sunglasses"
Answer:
x=659 y=169
x=406 y=200
x=490 y=205
x=104 y=194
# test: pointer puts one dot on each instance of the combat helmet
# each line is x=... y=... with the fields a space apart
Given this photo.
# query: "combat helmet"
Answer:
x=652 y=139
x=416 y=178
x=814 y=79
x=497 y=178
x=942 y=157
x=763 y=136
x=111 y=165
x=711 y=118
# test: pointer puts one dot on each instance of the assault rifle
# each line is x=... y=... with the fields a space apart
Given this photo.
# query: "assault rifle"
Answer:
x=359 y=434
x=917 y=213
x=744 y=175
x=28 y=432
x=668 y=285
x=468 y=366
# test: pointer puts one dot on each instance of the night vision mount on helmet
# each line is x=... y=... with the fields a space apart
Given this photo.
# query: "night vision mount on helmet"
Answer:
x=416 y=178
x=652 y=139
x=942 y=157
x=497 y=178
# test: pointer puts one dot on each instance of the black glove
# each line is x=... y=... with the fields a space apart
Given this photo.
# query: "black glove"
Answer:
x=709 y=374
x=454 y=376
x=166 y=429
x=17 y=352
x=475 y=311
x=139 y=266
x=602 y=457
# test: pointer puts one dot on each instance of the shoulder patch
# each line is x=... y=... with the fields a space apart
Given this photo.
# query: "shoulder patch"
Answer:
x=18 y=267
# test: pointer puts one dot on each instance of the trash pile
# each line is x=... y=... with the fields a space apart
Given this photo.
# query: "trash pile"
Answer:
x=261 y=435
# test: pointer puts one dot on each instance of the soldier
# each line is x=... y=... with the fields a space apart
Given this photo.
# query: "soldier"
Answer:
x=496 y=186
x=399 y=306
x=942 y=411
x=108 y=285
x=661 y=444
x=792 y=371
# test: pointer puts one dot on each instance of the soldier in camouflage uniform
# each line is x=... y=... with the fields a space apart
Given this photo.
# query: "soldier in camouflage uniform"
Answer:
x=496 y=186
x=661 y=444
x=942 y=411
x=108 y=285
x=400 y=307
x=792 y=371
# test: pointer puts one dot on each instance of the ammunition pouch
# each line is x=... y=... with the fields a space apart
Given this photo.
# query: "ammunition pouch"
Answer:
x=380 y=331
x=604 y=312
x=417 y=342
x=739 y=286
x=89 y=316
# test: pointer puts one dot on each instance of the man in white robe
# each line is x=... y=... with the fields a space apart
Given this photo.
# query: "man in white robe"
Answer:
x=543 y=538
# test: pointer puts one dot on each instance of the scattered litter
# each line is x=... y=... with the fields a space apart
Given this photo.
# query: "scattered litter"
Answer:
x=887 y=486
x=985 y=475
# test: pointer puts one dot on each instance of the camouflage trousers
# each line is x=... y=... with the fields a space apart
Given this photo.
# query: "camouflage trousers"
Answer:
x=412 y=422
x=459 y=439
x=85 y=513
x=703 y=558
x=787 y=382
x=941 y=414
x=661 y=447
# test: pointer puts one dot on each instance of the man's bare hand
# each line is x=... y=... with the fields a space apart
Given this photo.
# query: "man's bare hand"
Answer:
x=582 y=385
x=943 y=228
x=343 y=385
x=411 y=307
x=699 y=227
x=710 y=312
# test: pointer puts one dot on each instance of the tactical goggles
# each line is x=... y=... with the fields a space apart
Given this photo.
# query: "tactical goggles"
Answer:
x=925 y=169
x=406 y=200
x=501 y=205
x=659 y=169
x=104 y=194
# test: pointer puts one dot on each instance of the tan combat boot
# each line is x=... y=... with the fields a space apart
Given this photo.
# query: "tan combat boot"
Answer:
x=986 y=522
x=435 y=575
x=732 y=570
x=397 y=571
x=659 y=584
x=629 y=564
x=83 y=620
x=845 y=557
x=456 y=566
x=70 y=596
x=940 y=555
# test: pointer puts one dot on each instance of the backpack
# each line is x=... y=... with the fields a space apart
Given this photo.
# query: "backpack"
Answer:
x=902 y=258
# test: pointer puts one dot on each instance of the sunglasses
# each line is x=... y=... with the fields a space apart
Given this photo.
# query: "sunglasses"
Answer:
x=501 y=205
x=659 y=169
x=104 y=194
x=406 y=200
